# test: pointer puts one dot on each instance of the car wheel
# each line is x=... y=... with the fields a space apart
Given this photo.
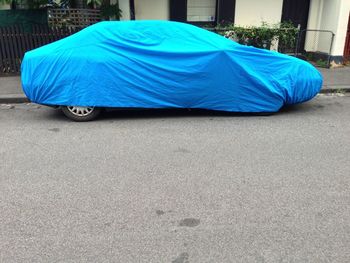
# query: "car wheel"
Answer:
x=76 y=113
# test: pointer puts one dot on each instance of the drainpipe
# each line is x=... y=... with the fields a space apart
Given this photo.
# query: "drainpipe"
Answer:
x=132 y=9
x=217 y=13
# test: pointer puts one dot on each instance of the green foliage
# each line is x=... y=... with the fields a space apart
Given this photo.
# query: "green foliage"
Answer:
x=262 y=36
x=108 y=11
x=315 y=59
x=309 y=56
x=321 y=63
x=287 y=35
x=29 y=4
x=94 y=2
x=36 y=4
x=111 y=11
x=7 y=2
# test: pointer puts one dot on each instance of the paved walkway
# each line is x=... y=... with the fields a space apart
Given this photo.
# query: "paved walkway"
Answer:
x=333 y=80
x=336 y=79
x=10 y=90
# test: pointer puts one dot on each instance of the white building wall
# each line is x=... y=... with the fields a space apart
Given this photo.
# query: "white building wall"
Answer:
x=315 y=14
x=152 y=9
x=341 y=28
x=328 y=15
x=324 y=14
x=318 y=41
x=125 y=7
x=329 y=21
x=314 y=21
x=253 y=12
x=5 y=7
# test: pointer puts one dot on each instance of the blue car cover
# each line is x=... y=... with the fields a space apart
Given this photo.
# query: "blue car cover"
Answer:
x=163 y=64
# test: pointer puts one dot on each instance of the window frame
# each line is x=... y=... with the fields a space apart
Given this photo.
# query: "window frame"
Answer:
x=178 y=12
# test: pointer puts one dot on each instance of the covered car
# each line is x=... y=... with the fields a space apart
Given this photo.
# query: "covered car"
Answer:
x=162 y=64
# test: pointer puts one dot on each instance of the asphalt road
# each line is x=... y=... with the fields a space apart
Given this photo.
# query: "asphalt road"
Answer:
x=176 y=186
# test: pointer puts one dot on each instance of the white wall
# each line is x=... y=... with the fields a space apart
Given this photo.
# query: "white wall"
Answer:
x=341 y=28
x=329 y=21
x=317 y=41
x=125 y=7
x=328 y=15
x=152 y=9
x=254 y=12
x=3 y=7
x=315 y=14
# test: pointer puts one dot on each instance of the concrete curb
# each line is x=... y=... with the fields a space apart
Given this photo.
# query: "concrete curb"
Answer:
x=335 y=89
x=13 y=98
x=21 y=98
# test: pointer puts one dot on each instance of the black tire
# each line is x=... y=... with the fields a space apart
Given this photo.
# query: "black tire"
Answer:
x=81 y=113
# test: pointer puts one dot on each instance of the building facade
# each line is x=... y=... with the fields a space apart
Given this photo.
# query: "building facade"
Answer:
x=328 y=15
x=332 y=16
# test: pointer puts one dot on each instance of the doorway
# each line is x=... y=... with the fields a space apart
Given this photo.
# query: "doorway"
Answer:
x=297 y=12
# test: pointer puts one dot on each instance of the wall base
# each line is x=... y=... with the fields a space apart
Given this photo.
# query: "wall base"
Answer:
x=334 y=61
x=337 y=60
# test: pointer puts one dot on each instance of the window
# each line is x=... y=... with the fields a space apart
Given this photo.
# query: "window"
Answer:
x=201 y=10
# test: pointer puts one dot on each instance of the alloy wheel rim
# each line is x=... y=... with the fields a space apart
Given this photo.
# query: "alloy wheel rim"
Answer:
x=80 y=111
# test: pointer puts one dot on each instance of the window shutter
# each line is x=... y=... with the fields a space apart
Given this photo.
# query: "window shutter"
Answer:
x=226 y=11
x=178 y=10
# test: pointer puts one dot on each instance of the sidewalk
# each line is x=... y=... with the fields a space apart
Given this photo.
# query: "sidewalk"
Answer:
x=11 y=91
x=334 y=80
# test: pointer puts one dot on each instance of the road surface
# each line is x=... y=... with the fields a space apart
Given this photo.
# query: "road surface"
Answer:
x=176 y=186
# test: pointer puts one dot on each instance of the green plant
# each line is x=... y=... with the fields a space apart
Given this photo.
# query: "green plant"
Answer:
x=36 y=4
x=8 y=2
x=30 y=4
x=287 y=35
x=94 y=3
x=108 y=11
x=111 y=11
x=309 y=56
x=321 y=63
x=341 y=92
x=262 y=36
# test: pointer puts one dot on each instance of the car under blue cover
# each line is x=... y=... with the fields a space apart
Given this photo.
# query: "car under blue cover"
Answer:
x=163 y=64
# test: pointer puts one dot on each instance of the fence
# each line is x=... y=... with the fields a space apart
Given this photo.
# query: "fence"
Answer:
x=73 y=17
x=15 y=41
x=309 y=44
x=23 y=17
x=315 y=46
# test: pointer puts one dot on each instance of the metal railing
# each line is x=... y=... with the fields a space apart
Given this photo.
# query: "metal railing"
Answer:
x=315 y=46
x=278 y=43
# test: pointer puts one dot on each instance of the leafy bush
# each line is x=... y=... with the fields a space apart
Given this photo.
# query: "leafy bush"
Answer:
x=263 y=36
x=321 y=63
